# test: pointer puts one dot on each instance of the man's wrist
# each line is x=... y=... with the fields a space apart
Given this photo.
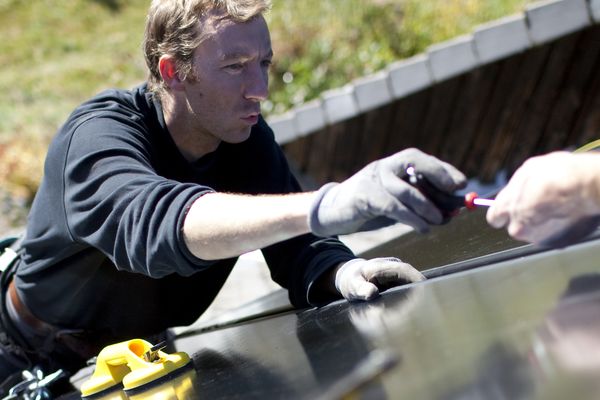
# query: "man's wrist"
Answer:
x=328 y=279
x=313 y=220
x=323 y=289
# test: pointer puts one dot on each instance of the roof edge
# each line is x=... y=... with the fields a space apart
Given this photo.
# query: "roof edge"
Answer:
x=539 y=23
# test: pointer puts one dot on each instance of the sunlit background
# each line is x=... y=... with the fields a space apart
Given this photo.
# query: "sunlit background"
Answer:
x=54 y=54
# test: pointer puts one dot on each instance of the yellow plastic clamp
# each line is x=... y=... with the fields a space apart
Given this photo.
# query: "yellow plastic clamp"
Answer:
x=128 y=362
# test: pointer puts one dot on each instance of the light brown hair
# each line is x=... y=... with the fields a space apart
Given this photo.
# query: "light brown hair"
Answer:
x=172 y=27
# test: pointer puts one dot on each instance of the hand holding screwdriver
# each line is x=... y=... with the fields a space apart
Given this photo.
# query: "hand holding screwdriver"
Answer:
x=379 y=196
x=448 y=203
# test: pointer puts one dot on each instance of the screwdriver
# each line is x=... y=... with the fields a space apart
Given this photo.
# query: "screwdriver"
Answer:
x=448 y=203
x=472 y=200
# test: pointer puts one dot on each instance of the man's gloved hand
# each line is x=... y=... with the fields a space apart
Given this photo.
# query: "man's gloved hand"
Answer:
x=377 y=196
x=361 y=279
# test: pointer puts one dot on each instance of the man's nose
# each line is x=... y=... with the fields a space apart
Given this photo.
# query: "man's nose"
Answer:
x=257 y=85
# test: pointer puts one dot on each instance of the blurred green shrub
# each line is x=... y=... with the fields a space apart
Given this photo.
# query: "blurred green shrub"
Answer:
x=325 y=44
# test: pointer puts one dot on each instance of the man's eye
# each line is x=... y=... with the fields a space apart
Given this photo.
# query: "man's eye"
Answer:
x=235 y=67
x=267 y=63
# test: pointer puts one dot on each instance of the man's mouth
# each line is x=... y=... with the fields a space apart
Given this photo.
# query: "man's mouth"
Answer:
x=251 y=118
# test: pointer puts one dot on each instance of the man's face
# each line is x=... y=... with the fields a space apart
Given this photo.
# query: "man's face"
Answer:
x=230 y=79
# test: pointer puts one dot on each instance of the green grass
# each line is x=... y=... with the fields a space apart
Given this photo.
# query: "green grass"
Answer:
x=325 y=44
x=54 y=54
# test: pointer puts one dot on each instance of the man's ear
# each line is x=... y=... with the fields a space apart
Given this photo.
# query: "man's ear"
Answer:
x=169 y=73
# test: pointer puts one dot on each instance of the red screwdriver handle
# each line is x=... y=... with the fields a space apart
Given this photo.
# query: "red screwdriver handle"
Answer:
x=470 y=200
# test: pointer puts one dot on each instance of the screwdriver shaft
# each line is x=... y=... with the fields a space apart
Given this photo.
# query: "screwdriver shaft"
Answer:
x=483 y=202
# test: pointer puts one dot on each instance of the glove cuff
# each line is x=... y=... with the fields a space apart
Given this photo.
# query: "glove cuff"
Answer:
x=313 y=215
x=339 y=275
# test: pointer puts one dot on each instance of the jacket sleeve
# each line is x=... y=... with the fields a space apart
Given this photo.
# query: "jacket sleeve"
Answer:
x=116 y=202
x=296 y=264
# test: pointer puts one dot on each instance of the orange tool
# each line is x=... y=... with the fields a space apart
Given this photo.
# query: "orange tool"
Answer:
x=472 y=201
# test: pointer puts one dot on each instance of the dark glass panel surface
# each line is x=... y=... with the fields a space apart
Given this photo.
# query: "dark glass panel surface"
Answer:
x=527 y=328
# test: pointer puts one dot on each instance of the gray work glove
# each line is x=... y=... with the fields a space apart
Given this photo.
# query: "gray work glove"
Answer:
x=377 y=196
x=361 y=279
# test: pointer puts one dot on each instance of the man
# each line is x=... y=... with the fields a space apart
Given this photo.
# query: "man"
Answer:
x=149 y=196
x=551 y=200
